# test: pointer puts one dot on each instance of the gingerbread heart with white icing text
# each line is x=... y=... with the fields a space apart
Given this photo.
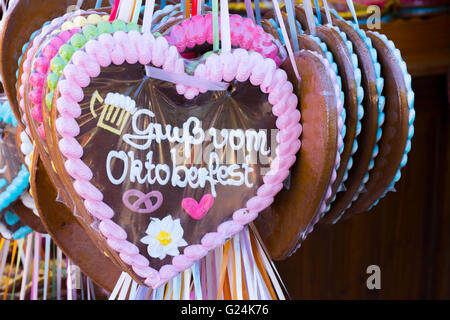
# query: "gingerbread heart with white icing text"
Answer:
x=134 y=148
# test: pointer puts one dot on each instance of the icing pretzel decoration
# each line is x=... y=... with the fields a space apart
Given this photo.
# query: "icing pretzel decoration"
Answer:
x=142 y=198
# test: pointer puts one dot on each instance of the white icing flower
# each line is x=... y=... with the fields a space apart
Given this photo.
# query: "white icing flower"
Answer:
x=164 y=237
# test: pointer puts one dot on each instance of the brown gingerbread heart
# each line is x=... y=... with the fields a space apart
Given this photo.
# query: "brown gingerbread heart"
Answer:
x=295 y=211
x=398 y=127
x=140 y=205
x=372 y=83
x=362 y=158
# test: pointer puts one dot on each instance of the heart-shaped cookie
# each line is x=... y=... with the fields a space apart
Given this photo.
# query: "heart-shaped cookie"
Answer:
x=310 y=191
x=286 y=224
x=57 y=217
x=75 y=42
x=118 y=130
x=372 y=83
x=365 y=129
x=398 y=128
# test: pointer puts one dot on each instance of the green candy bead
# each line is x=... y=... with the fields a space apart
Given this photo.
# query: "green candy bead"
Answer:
x=191 y=67
x=57 y=65
x=78 y=40
x=104 y=27
x=66 y=51
x=157 y=34
x=52 y=81
x=48 y=100
x=133 y=26
x=90 y=32
x=119 y=25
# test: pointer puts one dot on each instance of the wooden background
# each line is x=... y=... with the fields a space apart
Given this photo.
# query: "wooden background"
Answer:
x=408 y=234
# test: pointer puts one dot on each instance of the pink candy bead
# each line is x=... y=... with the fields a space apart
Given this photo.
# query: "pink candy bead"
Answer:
x=49 y=51
x=36 y=80
x=56 y=42
x=36 y=113
x=42 y=64
x=35 y=96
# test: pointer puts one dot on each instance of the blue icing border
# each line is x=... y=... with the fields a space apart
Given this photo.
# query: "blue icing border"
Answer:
x=22 y=232
x=381 y=103
x=164 y=10
x=167 y=17
x=412 y=113
x=6 y=114
x=360 y=110
x=21 y=182
x=11 y=218
x=360 y=97
x=274 y=23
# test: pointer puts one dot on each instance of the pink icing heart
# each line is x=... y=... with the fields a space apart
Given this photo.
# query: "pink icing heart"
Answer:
x=198 y=210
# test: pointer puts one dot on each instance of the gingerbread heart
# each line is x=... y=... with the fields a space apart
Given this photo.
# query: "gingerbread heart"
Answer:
x=364 y=130
x=398 y=128
x=286 y=224
x=372 y=84
x=118 y=129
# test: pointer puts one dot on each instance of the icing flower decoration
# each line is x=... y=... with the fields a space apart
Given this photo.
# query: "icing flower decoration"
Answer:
x=164 y=237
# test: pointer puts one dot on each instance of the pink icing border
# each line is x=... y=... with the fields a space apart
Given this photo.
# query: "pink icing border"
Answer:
x=340 y=124
x=244 y=34
x=26 y=68
x=41 y=69
x=134 y=47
